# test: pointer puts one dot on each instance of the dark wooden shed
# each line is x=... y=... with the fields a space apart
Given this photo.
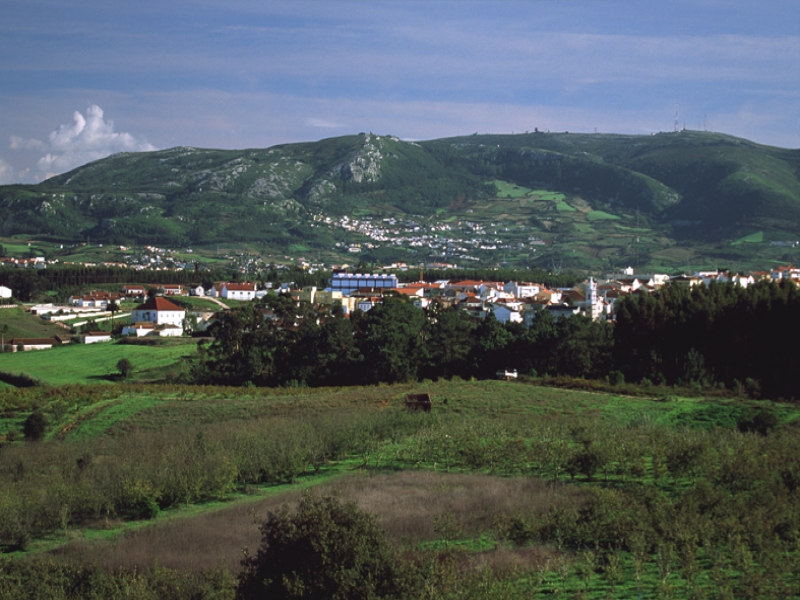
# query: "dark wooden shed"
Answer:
x=418 y=402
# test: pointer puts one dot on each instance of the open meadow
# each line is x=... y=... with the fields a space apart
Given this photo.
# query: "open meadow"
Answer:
x=96 y=363
x=514 y=488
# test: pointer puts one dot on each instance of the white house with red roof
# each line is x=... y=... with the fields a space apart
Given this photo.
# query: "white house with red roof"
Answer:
x=158 y=311
x=238 y=291
x=171 y=289
x=133 y=290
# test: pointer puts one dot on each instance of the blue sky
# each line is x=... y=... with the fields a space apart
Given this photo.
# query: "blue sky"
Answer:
x=81 y=79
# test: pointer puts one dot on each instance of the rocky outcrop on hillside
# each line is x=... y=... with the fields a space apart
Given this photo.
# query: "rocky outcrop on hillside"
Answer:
x=364 y=164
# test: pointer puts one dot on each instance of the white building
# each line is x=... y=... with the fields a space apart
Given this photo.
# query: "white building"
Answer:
x=158 y=311
x=522 y=289
x=94 y=337
x=350 y=282
x=238 y=291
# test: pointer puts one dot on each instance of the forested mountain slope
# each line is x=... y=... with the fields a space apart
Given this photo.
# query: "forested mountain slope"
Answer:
x=689 y=187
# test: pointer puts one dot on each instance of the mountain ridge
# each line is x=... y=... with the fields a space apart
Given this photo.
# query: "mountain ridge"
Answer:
x=687 y=188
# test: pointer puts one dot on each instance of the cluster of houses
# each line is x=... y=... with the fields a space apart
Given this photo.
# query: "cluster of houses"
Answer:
x=516 y=301
x=512 y=301
x=36 y=262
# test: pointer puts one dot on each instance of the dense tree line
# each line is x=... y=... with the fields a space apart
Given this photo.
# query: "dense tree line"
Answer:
x=720 y=335
x=394 y=341
x=547 y=278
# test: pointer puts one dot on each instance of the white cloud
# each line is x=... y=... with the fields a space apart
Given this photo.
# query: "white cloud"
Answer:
x=88 y=139
x=18 y=143
x=7 y=174
x=323 y=123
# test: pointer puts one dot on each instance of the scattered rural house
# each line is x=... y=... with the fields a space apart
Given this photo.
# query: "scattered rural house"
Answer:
x=88 y=302
x=686 y=280
x=93 y=299
x=136 y=291
x=169 y=289
x=724 y=277
x=96 y=336
x=37 y=262
x=197 y=290
x=169 y=331
x=5 y=292
x=139 y=329
x=786 y=272
x=238 y=291
x=152 y=330
x=743 y=280
x=25 y=344
x=158 y=311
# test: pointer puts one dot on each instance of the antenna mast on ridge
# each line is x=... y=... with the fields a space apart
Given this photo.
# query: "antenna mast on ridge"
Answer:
x=675 y=129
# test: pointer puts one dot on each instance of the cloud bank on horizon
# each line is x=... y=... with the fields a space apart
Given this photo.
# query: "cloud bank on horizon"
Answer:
x=248 y=74
x=88 y=139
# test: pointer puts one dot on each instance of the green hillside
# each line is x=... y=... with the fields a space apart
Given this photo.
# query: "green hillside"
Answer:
x=16 y=323
x=663 y=200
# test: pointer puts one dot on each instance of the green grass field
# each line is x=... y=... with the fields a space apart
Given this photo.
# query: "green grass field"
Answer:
x=599 y=215
x=93 y=363
x=562 y=206
x=753 y=238
x=154 y=407
x=511 y=190
x=22 y=324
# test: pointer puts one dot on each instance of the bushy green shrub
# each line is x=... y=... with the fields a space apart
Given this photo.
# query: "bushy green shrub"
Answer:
x=329 y=549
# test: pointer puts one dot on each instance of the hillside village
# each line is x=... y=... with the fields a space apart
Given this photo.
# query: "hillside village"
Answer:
x=157 y=310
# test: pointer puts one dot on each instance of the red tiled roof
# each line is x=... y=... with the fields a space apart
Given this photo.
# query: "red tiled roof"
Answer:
x=241 y=287
x=33 y=341
x=158 y=303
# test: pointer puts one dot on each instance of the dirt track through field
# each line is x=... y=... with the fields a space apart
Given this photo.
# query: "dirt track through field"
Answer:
x=405 y=504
